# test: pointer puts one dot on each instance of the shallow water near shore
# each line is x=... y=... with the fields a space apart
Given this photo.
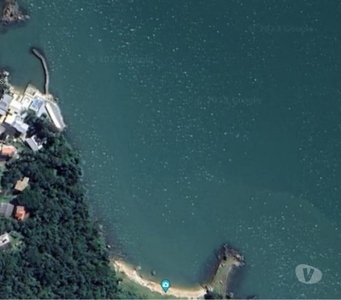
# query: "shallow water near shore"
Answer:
x=201 y=123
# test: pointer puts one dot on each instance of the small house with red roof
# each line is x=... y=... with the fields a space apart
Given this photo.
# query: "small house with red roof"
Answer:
x=21 y=213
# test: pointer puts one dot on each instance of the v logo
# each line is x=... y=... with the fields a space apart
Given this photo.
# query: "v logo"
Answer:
x=308 y=276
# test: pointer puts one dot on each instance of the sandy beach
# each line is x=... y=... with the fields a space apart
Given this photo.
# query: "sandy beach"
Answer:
x=132 y=274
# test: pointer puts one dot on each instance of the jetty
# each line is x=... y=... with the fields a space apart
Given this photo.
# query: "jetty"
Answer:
x=51 y=103
x=229 y=260
x=46 y=70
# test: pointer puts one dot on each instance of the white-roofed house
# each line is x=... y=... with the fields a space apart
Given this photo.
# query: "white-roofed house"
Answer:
x=20 y=126
x=26 y=102
x=10 y=119
x=15 y=107
x=33 y=143
x=55 y=115
x=4 y=103
x=6 y=209
x=37 y=103
x=5 y=241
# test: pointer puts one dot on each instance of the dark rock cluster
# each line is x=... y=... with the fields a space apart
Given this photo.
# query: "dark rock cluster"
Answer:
x=11 y=13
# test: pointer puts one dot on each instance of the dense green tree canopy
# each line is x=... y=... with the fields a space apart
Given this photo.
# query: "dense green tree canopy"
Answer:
x=61 y=254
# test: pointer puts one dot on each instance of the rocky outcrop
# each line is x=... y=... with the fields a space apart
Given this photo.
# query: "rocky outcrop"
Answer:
x=219 y=285
x=231 y=252
x=11 y=13
x=4 y=86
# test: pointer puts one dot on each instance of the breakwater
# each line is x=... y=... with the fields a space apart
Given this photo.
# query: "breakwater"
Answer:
x=52 y=107
x=46 y=70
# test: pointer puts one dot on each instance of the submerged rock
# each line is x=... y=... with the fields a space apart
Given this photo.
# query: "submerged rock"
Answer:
x=138 y=268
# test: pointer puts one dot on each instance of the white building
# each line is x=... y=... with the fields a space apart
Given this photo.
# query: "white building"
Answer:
x=4 y=103
x=55 y=115
x=20 y=126
x=5 y=241
x=15 y=107
x=32 y=142
x=37 y=103
x=26 y=102
x=10 y=119
x=6 y=209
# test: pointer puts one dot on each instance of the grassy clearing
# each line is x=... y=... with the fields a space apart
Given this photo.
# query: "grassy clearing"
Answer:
x=5 y=198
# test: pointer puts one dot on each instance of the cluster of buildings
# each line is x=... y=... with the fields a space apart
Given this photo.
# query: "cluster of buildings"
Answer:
x=14 y=106
x=8 y=210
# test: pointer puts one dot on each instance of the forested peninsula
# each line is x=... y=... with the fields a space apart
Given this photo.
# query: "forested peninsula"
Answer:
x=57 y=252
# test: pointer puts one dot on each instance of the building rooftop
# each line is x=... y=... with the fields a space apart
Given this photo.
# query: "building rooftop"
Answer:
x=10 y=119
x=55 y=115
x=26 y=101
x=31 y=90
x=17 y=95
x=34 y=145
x=42 y=111
x=20 y=213
x=6 y=209
x=4 y=240
x=21 y=184
x=2 y=129
x=3 y=117
x=8 y=150
x=15 y=106
x=4 y=101
x=20 y=126
x=37 y=103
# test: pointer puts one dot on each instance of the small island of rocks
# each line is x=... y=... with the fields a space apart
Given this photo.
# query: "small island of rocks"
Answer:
x=11 y=13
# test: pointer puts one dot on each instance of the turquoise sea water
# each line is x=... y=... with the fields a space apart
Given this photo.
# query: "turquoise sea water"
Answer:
x=202 y=122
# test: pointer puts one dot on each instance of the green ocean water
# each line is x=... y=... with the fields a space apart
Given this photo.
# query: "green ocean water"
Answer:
x=202 y=122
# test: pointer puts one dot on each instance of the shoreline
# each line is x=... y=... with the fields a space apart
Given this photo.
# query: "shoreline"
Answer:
x=155 y=287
